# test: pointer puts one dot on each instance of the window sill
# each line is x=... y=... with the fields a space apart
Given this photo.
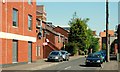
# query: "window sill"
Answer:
x=15 y=26
x=29 y=30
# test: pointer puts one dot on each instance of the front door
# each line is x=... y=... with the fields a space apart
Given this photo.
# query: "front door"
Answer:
x=29 y=52
x=14 y=51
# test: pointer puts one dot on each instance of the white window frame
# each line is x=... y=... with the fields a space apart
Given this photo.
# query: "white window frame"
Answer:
x=15 y=12
x=29 y=22
x=38 y=50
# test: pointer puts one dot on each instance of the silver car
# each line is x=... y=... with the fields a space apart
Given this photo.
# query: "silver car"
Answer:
x=55 y=56
x=65 y=55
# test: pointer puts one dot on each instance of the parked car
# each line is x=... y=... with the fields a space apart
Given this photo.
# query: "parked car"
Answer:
x=65 y=55
x=55 y=56
x=94 y=59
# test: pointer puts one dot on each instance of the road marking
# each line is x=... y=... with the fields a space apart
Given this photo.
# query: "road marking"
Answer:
x=67 y=67
x=59 y=71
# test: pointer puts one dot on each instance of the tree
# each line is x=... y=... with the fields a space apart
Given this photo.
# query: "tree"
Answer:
x=94 y=44
x=78 y=32
x=80 y=35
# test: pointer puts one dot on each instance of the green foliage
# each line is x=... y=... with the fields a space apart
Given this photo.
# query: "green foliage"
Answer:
x=94 y=44
x=71 y=48
x=103 y=46
x=78 y=32
x=80 y=36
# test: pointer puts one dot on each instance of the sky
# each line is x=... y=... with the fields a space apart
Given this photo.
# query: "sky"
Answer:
x=60 y=13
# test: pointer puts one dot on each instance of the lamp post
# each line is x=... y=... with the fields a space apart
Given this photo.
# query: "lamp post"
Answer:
x=107 y=38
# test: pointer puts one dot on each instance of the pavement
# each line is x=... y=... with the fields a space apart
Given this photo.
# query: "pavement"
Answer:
x=39 y=64
x=112 y=65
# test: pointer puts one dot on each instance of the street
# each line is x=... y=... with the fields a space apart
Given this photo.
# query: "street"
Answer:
x=75 y=64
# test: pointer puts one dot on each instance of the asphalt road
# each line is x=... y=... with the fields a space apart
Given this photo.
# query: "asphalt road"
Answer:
x=74 y=65
x=77 y=64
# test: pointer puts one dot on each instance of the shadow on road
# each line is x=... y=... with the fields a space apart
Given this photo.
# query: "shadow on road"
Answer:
x=83 y=65
x=51 y=61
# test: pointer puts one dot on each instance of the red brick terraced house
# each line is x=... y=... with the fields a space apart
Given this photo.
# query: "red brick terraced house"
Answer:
x=63 y=32
x=25 y=35
x=48 y=37
x=40 y=33
x=17 y=32
x=55 y=39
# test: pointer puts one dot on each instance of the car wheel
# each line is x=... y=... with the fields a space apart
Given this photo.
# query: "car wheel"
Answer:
x=104 y=60
x=61 y=60
x=67 y=59
x=87 y=64
x=48 y=60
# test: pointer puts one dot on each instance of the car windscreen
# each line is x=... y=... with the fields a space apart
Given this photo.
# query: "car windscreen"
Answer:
x=94 y=56
x=63 y=53
x=54 y=53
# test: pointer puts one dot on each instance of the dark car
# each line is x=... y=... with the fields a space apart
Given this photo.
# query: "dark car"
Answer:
x=94 y=59
x=65 y=55
x=55 y=56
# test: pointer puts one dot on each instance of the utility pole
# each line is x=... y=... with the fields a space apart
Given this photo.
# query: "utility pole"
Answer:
x=107 y=38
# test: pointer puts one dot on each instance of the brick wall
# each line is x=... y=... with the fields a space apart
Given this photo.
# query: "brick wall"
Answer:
x=7 y=28
x=61 y=30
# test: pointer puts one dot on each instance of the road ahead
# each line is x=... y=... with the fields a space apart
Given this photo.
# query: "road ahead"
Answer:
x=77 y=64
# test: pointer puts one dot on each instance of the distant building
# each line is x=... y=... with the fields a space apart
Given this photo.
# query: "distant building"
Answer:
x=56 y=38
x=110 y=32
x=112 y=40
x=66 y=28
